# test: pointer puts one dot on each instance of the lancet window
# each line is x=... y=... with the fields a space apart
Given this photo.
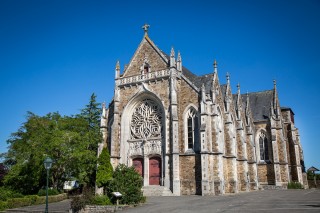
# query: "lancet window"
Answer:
x=191 y=128
x=263 y=145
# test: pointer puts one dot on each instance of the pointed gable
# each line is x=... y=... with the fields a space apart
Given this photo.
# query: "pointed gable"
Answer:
x=147 y=52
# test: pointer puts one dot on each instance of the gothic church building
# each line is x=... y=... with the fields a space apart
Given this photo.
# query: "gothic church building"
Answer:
x=189 y=134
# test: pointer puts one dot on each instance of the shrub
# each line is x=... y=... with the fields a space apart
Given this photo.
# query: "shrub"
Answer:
x=42 y=192
x=128 y=182
x=105 y=170
x=100 y=200
x=6 y=194
x=57 y=198
x=3 y=205
x=33 y=198
x=18 y=202
x=30 y=200
x=294 y=185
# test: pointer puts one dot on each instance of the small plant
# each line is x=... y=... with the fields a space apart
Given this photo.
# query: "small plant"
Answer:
x=294 y=185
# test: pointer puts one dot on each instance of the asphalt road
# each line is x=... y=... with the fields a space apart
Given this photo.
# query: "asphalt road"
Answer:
x=260 y=201
x=58 y=207
x=283 y=201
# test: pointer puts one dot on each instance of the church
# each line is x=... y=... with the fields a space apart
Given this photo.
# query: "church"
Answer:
x=187 y=134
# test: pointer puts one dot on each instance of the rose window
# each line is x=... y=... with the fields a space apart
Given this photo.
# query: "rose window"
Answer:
x=146 y=120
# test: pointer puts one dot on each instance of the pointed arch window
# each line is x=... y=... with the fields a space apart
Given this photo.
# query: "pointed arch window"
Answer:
x=192 y=129
x=263 y=145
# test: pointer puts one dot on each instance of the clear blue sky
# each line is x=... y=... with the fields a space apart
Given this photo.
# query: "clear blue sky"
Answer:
x=55 y=54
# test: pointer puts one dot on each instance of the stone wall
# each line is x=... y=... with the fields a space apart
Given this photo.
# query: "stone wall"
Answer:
x=102 y=209
x=188 y=174
x=313 y=184
x=154 y=59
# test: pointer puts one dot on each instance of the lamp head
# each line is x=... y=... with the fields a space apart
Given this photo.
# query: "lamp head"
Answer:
x=47 y=163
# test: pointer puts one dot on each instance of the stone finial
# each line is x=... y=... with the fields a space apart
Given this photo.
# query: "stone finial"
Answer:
x=145 y=27
x=179 y=56
x=228 y=78
x=118 y=69
x=247 y=100
x=203 y=92
x=118 y=65
x=172 y=58
x=103 y=109
x=239 y=105
x=172 y=54
x=215 y=66
x=275 y=97
x=179 y=62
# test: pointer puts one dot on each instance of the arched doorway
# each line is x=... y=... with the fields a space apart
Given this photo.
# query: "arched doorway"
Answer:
x=154 y=171
x=138 y=165
x=143 y=138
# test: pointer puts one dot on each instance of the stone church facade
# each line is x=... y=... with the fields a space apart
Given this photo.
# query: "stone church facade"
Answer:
x=192 y=135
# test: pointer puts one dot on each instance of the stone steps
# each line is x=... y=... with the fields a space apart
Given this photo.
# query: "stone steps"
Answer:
x=156 y=191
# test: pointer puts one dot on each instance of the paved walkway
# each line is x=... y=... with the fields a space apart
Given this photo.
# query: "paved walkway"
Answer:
x=282 y=201
x=58 y=207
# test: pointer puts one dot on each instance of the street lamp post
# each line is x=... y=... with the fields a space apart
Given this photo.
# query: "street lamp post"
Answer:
x=47 y=164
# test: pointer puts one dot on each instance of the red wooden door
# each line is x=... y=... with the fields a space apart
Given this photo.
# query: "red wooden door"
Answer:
x=138 y=165
x=154 y=171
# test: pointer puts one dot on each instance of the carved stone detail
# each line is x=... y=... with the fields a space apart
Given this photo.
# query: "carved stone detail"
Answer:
x=146 y=121
x=136 y=148
x=141 y=148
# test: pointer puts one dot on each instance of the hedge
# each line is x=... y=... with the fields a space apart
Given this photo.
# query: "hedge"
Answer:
x=30 y=200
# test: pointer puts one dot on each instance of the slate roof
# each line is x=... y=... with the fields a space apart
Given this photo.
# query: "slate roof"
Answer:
x=260 y=103
x=223 y=88
x=204 y=79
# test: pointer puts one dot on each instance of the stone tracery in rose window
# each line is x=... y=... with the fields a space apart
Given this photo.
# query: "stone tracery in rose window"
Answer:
x=146 y=120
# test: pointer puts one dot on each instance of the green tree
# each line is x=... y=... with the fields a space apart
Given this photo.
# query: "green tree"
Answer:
x=71 y=141
x=3 y=172
x=91 y=113
x=128 y=182
x=105 y=170
x=52 y=135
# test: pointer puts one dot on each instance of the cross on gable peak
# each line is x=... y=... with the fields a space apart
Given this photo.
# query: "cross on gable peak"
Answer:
x=145 y=27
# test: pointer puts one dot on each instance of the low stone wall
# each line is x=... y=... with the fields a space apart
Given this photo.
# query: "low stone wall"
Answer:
x=311 y=184
x=102 y=209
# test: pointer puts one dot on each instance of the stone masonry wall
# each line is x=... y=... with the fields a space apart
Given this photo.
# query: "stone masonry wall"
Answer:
x=187 y=174
x=154 y=59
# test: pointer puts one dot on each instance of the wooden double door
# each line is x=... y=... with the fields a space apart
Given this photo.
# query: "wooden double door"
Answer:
x=154 y=169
